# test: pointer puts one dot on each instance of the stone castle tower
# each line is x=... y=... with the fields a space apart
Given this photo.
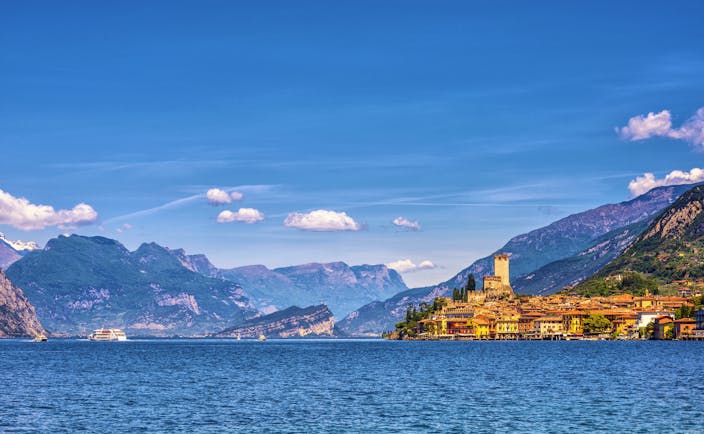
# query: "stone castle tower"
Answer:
x=501 y=268
x=499 y=284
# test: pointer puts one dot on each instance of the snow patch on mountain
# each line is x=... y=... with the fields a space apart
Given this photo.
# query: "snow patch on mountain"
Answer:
x=19 y=245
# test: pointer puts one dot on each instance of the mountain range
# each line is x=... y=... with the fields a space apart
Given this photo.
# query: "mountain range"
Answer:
x=341 y=287
x=79 y=283
x=584 y=242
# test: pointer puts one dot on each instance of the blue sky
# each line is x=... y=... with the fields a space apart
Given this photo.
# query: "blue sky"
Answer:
x=478 y=120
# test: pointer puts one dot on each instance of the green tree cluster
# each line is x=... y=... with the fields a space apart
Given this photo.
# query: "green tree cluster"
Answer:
x=462 y=294
x=408 y=328
x=596 y=323
x=630 y=283
x=685 y=311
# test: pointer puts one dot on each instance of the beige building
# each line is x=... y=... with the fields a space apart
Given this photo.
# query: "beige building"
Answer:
x=549 y=325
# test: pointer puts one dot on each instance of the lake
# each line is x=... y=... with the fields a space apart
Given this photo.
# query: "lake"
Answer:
x=351 y=386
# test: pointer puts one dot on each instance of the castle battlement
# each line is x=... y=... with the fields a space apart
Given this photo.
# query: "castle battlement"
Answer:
x=499 y=284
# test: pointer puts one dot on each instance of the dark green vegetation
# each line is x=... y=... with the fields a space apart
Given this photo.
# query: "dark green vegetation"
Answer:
x=669 y=249
x=690 y=311
x=407 y=328
x=80 y=283
x=462 y=293
x=626 y=283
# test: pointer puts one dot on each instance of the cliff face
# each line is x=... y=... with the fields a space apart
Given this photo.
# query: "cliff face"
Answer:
x=17 y=316
x=294 y=322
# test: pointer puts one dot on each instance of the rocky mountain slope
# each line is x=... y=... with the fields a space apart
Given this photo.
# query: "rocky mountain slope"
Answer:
x=8 y=255
x=17 y=315
x=671 y=247
x=562 y=239
x=554 y=276
x=340 y=286
x=80 y=283
x=294 y=322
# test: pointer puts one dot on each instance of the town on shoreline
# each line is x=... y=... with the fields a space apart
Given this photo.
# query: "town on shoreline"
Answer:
x=496 y=313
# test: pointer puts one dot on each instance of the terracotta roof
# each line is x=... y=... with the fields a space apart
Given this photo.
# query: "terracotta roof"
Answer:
x=622 y=298
x=549 y=318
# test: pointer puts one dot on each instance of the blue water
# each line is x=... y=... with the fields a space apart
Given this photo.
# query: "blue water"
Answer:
x=351 y=386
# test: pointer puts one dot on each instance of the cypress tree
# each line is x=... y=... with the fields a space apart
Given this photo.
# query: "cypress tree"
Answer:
x=471 y=283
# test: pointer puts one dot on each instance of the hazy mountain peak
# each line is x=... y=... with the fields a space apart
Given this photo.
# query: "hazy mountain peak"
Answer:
x=19 y=245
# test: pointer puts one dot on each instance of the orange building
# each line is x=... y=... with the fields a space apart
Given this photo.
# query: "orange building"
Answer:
x=684 y=327
x=664 y=326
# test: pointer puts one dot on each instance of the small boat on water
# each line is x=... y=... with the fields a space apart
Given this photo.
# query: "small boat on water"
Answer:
x=40 y=338
x=107 y=335
x=261 y=338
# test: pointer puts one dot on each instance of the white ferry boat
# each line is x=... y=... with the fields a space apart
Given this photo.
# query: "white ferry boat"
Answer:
x=107 y=335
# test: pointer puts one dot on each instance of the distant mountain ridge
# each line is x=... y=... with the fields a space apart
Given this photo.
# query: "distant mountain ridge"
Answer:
x=80 y=283
x=530 y=252
x=339 y=286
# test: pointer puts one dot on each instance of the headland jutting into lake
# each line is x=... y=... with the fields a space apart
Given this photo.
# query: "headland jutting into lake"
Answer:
x=496 y=313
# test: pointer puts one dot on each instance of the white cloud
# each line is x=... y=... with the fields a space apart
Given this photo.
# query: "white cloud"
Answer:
x=660 y=124
x=22 y=214
x=692 y=130
x=244 y=215
x=407 y=266
x=403 y=222
x=216 y=196
x=647 y=182
x=322 y=221
x=123 y=228
x=640 y=127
